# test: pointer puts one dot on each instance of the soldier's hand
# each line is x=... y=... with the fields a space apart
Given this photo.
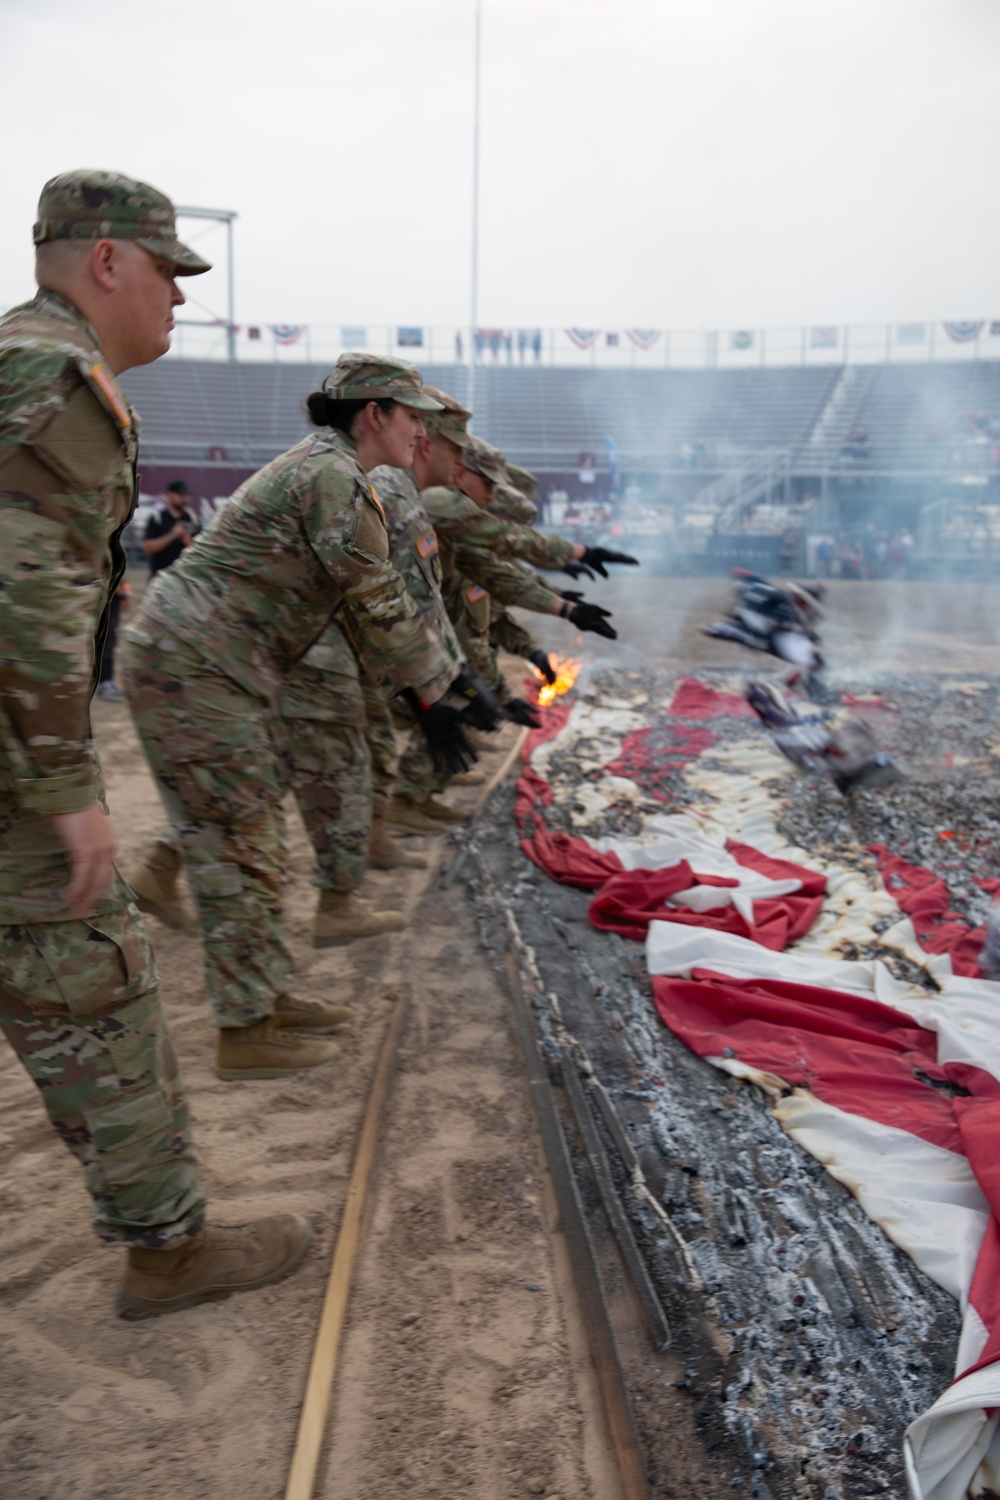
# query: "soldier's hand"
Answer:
x=541 y=660
x=579 y=570
x=521 y=712
x=441 y=725
x=90 y=842
x=596 y=557
x=481 y=708
x=591 y=617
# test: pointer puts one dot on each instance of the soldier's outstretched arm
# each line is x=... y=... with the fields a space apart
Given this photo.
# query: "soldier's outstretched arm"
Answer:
x=347 y=532
x=460 y=520
x=510 y=636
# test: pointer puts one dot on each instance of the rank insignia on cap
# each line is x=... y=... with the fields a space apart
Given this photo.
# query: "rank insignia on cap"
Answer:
x=475 y=594
x=109 y=390
x=428 y=545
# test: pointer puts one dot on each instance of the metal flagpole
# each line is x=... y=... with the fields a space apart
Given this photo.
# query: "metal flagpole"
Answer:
x=474 y=280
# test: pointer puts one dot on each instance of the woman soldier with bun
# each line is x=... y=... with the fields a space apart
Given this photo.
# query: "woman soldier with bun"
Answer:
x=204 y=661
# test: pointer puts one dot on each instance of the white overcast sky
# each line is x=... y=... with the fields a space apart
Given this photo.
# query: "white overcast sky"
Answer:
x=647 y=163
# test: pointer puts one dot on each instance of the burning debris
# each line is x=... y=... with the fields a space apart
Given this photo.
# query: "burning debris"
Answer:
x=782 y=621
x=566 y=672
x=838 y=745
x=835 y=1342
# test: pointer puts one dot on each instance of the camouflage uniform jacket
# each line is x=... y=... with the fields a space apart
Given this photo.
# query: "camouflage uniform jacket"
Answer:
x=456 y=518
x=301 y=540
x=68 y=443
x=512 y=505
x=506 y=633
x=414 y=549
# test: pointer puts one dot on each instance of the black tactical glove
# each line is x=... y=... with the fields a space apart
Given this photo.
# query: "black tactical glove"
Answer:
x=540 y=660
x=481 y=708
x=522 y=713
x=441 y=725
x=596 y=557
x=587 y=616
x=578 y=570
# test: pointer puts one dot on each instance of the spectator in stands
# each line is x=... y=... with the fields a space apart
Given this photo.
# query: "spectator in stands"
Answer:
x=847 y=560
x=856 y=445
x=824 y=556
x=170 y=530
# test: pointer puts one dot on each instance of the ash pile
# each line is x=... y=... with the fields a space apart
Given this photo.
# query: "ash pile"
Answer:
x=802 y=1340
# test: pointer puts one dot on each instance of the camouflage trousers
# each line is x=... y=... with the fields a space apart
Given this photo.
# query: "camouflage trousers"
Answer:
x=80 y=1005
x=209 y=746
x=340 y=767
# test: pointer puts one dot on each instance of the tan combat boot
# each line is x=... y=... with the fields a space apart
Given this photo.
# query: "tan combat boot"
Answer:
x=404 y=817
x=384 y=853
x=293 y=1014
x=266 y=1050
x=213 y=1264
x=158 y=890
x=440 y=812
x=340 y=918
x=484 y=743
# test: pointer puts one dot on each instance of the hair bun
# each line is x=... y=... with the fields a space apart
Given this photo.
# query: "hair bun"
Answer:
x=318 y=405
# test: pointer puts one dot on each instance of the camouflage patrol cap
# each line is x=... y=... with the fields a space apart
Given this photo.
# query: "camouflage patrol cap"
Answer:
x=374 y=377
x=109 y=206
x=482 y=458
x=452 y=420
x=522 y=479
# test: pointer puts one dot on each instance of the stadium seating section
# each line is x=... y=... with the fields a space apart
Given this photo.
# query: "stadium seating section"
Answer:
x=916 y=416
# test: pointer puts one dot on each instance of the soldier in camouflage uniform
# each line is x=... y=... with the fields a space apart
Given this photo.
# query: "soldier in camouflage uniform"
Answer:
x=79 y=996
x=335 y=733
x=337 y=752
x=479 y=553
x=511 y=500
x=204 y=662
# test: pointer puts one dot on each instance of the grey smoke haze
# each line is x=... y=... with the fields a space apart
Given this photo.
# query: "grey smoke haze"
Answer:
x=870 y=630
x=652 y=163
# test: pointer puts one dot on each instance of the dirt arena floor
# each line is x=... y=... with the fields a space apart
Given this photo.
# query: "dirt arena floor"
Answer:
x=464 y=1367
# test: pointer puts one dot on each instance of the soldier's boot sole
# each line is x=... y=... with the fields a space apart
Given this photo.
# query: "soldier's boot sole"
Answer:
x=158 y=890
x=179 y=922
x=440 y=812
x=406 y=821
x=384 y=853
x=309 y=1016
x=469 y=778
x=293 y=1237
x=328 y=935
x=265 y=1050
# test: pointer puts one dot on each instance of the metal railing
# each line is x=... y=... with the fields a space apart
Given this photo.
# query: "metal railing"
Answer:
x=645 y=349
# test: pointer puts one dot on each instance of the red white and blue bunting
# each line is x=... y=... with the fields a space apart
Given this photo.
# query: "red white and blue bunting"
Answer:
x=964 y=332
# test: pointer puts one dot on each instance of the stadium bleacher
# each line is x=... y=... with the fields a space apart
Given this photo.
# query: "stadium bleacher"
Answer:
x=915 y=416
x=543 y=417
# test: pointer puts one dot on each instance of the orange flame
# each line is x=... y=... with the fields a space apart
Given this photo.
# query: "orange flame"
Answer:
x=567 y=670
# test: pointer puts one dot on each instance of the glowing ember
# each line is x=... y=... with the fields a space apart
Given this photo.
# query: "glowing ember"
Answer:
x=567 y=671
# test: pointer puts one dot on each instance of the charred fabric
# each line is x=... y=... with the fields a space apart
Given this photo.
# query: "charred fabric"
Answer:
x=803 y=1342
